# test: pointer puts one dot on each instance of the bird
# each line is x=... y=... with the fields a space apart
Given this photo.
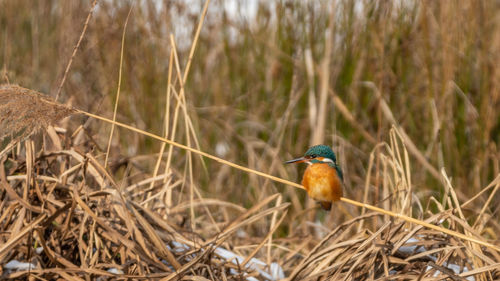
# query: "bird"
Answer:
x=323 y=178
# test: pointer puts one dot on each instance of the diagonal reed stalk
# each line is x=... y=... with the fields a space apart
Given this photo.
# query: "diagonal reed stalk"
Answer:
x=68 y=66
x=287 y=182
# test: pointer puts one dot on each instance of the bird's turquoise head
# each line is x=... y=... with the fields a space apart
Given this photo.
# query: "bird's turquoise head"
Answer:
x=317 y=154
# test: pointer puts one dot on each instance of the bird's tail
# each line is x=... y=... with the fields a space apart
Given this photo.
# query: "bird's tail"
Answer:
x=326 y=205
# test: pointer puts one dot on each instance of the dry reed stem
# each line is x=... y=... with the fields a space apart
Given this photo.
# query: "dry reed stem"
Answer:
x=267 y=237
x=188 y=124
x=195 y=41
x=408 y=142
x=342 y=108
x=68 y=66
x=173 y=55
x=319 y=122
x=117 y=100
x=166 y=122
x=12 y=242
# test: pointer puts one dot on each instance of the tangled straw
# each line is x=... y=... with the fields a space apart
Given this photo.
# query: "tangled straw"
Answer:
x=16 y=101
x=287 y=182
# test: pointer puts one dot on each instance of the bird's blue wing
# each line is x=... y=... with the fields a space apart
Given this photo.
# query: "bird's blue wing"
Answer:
x=339 y=172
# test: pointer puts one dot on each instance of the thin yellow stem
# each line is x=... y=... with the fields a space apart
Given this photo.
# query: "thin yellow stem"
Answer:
x=115 y=110
x=195 y=41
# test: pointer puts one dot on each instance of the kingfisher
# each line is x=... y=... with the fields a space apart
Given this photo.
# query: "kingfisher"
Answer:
x=323 y=178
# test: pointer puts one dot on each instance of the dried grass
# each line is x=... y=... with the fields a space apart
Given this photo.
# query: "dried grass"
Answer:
x=69 y=217
x=83 y=227
x=24 y=112
x=66 y=215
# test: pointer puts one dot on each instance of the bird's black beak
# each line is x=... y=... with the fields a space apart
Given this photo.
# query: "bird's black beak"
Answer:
x=298 y=160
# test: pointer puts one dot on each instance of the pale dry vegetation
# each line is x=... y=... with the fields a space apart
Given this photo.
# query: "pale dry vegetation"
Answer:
x=407 y=96
x=24 y=112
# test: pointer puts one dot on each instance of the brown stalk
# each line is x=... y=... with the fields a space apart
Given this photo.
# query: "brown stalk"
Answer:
x=68 y=66
x=115 y=110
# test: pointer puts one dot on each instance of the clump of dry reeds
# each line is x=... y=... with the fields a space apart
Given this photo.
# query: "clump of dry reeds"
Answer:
x=66 y=217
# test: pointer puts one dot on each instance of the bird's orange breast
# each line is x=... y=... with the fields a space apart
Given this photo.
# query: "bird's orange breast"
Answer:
x=322 y=182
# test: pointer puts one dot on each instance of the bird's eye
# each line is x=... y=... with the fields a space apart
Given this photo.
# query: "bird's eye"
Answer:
x=314 y=156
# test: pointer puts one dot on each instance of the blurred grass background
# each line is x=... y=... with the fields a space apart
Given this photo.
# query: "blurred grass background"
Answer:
x=270 y=78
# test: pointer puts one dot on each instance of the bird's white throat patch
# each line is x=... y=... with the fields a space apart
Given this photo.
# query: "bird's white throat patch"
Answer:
x=324 y=159
x=321 y=159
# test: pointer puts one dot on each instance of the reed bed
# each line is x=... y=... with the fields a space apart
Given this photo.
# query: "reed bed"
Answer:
x=63 y=213
x=66 y=216
x=114 y=178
